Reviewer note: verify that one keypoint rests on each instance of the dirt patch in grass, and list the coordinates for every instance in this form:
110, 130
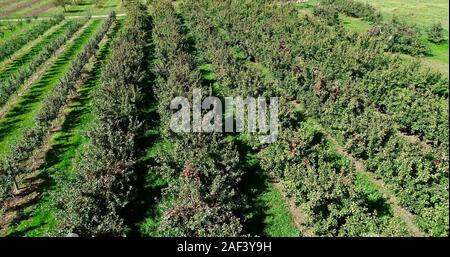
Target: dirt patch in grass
40, 10
18, 7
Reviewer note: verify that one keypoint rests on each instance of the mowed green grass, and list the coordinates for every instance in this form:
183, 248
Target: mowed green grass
421, 12
39, 219
21, 116
267, 213
68, 140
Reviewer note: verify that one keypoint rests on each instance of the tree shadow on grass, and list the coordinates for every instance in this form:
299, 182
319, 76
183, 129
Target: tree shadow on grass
254, 183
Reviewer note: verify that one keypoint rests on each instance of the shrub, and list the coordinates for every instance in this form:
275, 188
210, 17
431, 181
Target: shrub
328, 13
396, 36
436, 33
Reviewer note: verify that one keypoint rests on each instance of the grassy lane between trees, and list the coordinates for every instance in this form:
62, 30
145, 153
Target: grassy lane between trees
15, 76
17, 164
8, 29
368, 135
32, 32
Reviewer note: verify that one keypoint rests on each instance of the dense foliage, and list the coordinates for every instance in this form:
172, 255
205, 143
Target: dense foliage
327, 12
90, 201
354, 9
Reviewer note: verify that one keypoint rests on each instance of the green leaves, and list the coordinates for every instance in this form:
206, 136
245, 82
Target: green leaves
92, 201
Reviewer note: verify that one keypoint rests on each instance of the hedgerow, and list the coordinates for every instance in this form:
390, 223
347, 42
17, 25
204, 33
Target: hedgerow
398, 37
327, 12
355, 9
90, 202
436, 33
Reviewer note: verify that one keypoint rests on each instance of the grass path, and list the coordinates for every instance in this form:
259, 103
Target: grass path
58, 154
296, 211
423, 13
22, 115
270, 213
